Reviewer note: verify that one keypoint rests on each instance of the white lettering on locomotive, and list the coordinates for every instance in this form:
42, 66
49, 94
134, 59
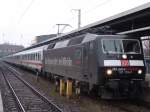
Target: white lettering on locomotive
65, 61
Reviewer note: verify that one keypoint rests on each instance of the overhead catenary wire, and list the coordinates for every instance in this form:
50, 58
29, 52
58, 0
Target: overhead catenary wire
97, 6
26, 10
89, 10
83, 12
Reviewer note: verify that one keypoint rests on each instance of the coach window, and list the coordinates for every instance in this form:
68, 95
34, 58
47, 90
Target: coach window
39, 56
28, 57
31, 56
34, 56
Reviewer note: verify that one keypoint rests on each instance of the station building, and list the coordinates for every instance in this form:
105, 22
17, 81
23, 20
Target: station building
42, 38
6, 49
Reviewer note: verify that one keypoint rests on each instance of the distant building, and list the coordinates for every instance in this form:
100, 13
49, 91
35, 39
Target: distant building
6, 49
42, 38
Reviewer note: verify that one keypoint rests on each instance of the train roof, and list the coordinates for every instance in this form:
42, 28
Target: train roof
64, 43
86, 38
37, 49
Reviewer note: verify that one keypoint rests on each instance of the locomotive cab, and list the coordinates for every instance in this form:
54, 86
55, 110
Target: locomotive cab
121, 65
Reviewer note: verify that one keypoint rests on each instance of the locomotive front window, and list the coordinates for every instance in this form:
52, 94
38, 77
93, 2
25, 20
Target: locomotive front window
112, 46
131, 46
121, 46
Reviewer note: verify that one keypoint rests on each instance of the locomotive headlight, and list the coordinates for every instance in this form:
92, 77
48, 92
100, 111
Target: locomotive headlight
124, 56
109, 72
139, 71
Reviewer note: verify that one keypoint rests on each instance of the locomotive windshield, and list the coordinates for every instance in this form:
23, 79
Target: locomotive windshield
121, 46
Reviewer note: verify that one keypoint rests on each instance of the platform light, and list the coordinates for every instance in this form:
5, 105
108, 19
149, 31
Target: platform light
109, 72
139, 71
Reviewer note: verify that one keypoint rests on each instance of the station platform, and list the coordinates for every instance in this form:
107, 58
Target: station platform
147, 78
146, 96
1, 103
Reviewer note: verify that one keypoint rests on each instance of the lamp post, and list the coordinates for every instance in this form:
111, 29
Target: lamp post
79, 17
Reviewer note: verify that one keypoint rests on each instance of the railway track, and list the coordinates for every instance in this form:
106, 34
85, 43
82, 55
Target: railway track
9, 103
124, 105
27, 98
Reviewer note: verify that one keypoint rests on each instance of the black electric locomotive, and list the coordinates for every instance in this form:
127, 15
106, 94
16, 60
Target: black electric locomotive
106, 65
110, 65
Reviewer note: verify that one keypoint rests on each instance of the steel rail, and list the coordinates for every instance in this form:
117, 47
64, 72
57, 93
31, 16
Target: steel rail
54, 106
15, 95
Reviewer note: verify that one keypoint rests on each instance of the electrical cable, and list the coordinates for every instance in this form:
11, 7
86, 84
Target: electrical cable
26, 10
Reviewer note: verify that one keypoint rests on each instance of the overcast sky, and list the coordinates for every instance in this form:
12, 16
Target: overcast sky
22, 20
